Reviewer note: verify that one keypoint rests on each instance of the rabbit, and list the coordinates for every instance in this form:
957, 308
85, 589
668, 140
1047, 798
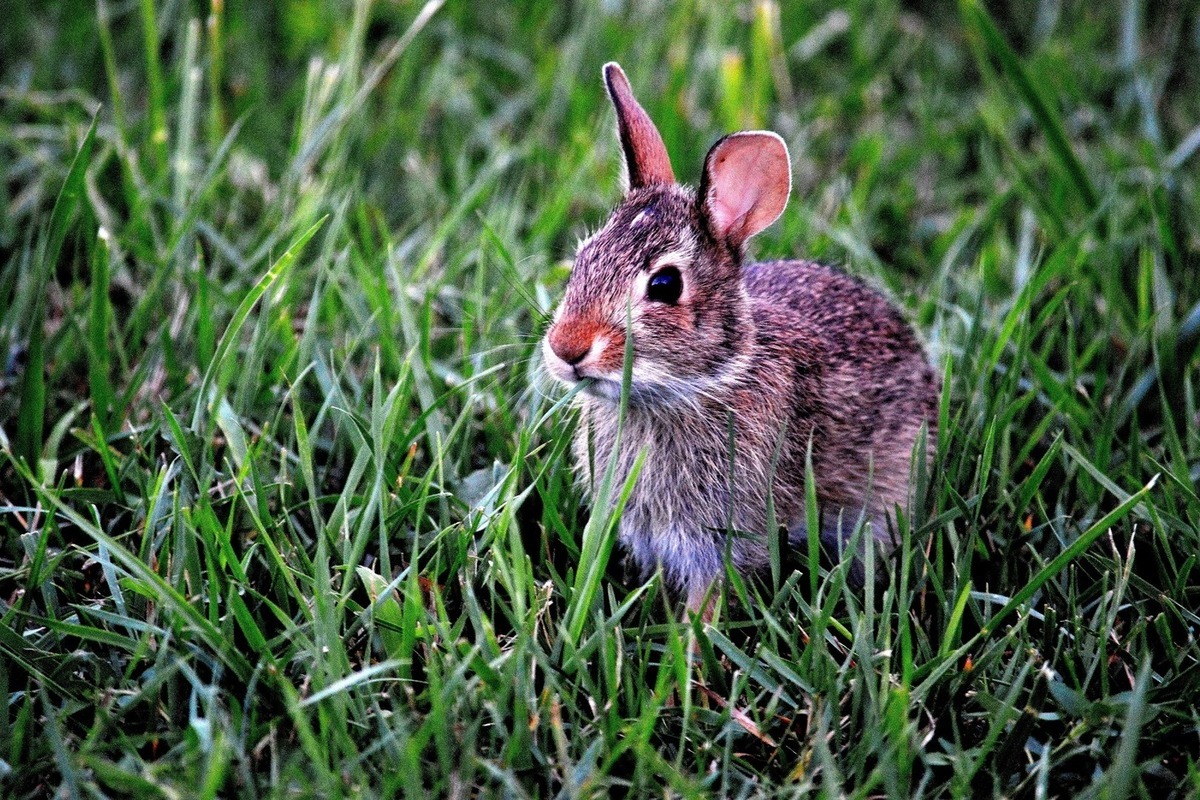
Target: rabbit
736, 367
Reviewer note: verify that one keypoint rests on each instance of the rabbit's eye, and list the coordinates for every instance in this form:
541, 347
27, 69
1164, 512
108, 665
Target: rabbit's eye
665, 286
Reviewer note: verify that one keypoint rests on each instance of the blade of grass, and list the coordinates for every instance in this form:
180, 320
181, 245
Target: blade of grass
980, 23
1069, 554
31, 417
210, 386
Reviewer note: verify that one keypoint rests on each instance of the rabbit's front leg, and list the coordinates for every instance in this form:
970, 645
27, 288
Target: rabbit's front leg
702, 599
689, 554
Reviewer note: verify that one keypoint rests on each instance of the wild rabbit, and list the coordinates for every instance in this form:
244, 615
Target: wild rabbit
737, 367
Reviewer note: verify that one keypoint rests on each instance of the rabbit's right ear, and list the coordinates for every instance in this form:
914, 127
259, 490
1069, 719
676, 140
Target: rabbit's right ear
646, 157
745, 187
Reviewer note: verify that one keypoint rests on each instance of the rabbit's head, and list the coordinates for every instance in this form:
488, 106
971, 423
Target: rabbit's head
666, 267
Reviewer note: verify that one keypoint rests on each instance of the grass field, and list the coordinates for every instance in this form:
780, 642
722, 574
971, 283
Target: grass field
283, 511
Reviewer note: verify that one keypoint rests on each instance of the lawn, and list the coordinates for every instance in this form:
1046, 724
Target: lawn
286, 505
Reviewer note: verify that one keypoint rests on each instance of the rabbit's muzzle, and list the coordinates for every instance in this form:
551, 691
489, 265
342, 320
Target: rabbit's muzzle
582, 348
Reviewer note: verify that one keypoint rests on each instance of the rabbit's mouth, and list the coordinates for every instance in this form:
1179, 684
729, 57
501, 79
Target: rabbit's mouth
580, 362
642, 392
588, 379
603, 388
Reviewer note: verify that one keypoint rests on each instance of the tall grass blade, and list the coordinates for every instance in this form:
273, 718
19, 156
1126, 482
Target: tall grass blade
31, 418
994, 45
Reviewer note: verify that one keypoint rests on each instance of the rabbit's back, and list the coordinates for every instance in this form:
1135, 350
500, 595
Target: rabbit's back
862, 384
856, 322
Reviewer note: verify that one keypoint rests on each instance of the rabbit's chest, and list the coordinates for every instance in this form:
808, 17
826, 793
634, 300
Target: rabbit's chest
691, 478
698, 480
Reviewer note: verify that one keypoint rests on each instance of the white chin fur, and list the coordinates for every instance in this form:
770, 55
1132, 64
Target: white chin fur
558, 369
604, 389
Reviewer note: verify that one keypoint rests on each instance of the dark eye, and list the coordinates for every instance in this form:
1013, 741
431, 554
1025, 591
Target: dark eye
665, 286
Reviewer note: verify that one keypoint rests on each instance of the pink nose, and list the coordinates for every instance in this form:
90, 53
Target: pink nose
571, 342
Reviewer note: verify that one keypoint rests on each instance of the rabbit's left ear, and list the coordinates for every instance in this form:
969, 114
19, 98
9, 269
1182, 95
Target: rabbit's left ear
745, 187
646, 158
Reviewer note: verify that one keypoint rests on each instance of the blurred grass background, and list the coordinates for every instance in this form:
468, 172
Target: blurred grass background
281, 513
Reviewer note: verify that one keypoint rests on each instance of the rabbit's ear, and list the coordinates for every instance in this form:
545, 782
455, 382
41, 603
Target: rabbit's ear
746, 182
646, 157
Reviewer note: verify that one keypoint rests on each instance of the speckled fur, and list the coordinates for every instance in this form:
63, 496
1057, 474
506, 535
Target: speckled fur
784, 352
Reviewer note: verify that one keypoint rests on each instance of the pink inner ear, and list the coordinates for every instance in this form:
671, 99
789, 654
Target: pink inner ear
747, 179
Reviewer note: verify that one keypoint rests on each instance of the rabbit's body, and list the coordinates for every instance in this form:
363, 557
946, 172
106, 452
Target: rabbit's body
736, 368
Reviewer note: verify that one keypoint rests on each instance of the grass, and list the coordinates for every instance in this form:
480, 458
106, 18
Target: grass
282, 513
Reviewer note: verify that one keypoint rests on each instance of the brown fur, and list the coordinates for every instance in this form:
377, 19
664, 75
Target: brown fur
776, 355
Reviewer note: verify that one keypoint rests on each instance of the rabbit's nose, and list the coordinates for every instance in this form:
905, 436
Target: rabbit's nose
571, 346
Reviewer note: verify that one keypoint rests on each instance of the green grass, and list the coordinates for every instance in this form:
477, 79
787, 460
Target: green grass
283, 514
